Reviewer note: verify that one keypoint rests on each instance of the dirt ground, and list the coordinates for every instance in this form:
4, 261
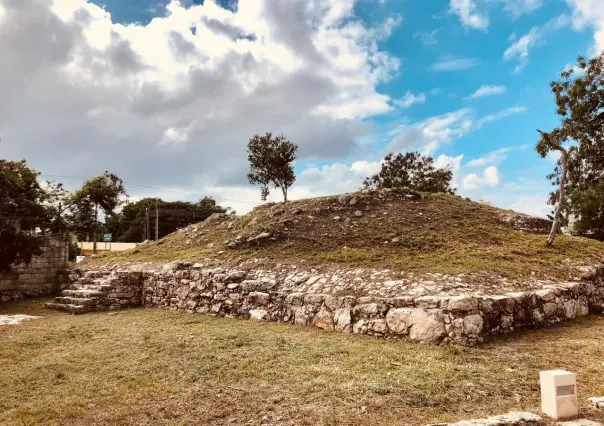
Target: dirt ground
160, 367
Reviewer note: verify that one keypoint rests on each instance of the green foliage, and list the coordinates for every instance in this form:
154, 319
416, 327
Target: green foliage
129, 225
22, 213
102, 193
411, 170
580, 104
271, 163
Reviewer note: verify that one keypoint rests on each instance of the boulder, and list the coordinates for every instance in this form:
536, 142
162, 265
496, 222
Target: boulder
323, 319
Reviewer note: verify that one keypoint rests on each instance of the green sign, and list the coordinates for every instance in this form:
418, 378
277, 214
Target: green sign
107, 238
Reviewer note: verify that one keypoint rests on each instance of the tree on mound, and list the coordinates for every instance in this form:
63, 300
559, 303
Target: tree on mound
271, 163
411, 170
579, 173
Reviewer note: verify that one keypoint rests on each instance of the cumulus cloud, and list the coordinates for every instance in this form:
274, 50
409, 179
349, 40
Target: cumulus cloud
521, 47
468, 14
484, 90
589, 13
490, 177
173, 102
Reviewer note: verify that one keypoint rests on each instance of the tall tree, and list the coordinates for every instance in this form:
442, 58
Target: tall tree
102, 193
411, 170
579, 173
22, 213
271, 163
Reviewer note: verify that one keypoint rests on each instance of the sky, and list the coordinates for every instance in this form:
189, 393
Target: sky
166, 94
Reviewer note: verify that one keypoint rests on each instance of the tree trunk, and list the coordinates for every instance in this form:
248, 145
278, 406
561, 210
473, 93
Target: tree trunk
96, 214
559, 207
284, 189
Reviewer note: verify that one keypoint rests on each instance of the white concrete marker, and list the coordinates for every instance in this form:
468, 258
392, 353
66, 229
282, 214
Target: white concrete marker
15, 319
559, 394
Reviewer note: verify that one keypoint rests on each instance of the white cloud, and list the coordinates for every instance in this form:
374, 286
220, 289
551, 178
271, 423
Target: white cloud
490, 177
487, 91
491, 158
444, 161
520, 48
472, 181
468, 14
428, 135
428, 38
499, 115
591, 13
409, 100
518, 8
168, 107
454, 64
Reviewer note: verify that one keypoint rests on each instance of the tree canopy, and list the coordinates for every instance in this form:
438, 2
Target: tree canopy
271, 163
579, 96
411, 170
22, 213
102, 193
129, 224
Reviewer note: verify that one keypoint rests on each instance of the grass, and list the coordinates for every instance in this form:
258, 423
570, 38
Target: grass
439, 233
160, 367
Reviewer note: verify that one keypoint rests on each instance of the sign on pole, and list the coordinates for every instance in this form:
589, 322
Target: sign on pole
107, 238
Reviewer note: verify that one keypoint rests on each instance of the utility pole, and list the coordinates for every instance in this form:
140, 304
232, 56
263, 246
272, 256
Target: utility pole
147, 231
156, 221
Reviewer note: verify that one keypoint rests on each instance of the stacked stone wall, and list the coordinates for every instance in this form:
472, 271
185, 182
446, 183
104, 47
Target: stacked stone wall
464, 320
40, 277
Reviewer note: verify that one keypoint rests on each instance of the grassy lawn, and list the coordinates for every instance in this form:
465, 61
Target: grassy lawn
159, 367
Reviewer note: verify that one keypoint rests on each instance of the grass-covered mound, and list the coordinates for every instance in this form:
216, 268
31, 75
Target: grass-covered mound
380, 229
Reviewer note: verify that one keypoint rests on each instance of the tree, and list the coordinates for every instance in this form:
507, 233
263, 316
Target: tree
22, 213
411, 170
271, 163
99, 193
579, 173
129, 225
548, 143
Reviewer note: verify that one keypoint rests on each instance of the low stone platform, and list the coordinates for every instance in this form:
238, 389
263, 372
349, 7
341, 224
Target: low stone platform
439, 318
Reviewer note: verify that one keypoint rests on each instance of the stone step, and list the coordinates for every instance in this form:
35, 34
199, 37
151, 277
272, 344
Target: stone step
77, 301
82, 293
72, 309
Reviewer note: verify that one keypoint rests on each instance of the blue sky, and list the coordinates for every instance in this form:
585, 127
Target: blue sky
465, 81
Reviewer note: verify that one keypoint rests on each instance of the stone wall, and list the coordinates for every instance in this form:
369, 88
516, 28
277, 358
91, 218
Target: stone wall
464, 320
42, 276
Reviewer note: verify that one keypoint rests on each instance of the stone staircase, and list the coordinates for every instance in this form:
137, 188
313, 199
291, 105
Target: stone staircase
92, 291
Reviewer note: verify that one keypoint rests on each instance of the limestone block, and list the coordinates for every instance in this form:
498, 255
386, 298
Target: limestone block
257, 298
259, 315
398, 320
473, 324
427, 326
343, 320
323, 319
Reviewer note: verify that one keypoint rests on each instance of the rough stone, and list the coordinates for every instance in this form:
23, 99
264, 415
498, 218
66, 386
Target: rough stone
259, 315
323, 319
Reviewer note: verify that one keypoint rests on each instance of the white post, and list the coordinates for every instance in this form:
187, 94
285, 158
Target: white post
559, 394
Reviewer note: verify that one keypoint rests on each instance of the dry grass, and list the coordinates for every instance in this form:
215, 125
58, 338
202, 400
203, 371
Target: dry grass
439, 233
159, 367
